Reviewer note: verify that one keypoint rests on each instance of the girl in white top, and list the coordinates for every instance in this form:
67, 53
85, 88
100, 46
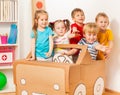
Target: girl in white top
62, 34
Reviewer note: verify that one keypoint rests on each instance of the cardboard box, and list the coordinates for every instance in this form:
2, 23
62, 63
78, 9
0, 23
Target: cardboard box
85, 77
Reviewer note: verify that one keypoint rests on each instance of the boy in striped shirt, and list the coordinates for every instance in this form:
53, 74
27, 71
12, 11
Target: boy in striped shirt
90, 32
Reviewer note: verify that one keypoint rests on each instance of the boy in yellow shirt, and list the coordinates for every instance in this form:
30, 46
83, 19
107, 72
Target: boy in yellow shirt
105, 35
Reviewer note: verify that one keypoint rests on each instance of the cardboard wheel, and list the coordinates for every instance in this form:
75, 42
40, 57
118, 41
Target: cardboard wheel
62, 58
99, 86
80, 90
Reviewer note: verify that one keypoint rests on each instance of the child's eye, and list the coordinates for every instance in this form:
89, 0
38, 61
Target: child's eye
41, 19
89, 34
46, 19
105, 22
78, 15
101, 21
62, 27
82, 14
94, 34
58, 28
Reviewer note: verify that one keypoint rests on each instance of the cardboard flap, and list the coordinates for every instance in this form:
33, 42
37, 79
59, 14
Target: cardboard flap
83, 57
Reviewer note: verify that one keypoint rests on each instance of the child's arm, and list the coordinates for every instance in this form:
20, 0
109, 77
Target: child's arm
110, 45
101, 47
50, 46
55, 35
71, 35
70, 52
108, 51
32, 49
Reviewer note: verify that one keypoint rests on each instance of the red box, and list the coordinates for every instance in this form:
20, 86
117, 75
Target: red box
6, 55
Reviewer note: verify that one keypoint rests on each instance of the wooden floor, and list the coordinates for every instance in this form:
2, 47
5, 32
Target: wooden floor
106, 93
7, 94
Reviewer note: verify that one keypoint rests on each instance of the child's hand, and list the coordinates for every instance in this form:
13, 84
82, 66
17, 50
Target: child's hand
48, 54
70, 52
107, 53
76, 35
104, 48
30, 59
101, 47
75, 32
55, 36
72, 35
63, 53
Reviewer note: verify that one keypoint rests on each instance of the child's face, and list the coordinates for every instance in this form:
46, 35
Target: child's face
79, 17
60, 28
102, 23
90, 37
43, 21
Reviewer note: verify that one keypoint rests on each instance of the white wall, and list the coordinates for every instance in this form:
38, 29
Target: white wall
61, 9
25, 26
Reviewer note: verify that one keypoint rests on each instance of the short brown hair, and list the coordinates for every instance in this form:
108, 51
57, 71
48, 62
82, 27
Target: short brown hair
76, 10
101, 14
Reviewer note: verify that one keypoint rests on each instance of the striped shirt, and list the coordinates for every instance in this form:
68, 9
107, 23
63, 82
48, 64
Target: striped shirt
91, 47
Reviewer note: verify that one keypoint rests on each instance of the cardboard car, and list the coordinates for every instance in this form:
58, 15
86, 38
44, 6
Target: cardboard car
85, 77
